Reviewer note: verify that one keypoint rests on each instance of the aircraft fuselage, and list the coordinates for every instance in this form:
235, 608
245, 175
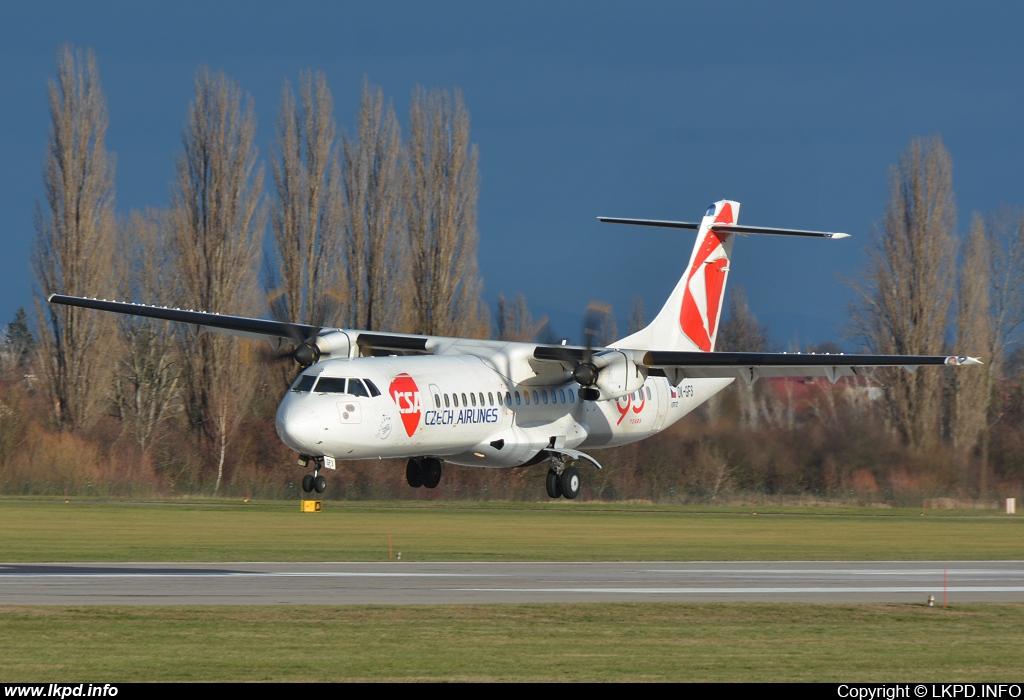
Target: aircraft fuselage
462, 410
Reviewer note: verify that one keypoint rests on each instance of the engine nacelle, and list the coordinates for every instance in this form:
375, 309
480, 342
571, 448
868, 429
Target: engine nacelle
334, 344
618, 375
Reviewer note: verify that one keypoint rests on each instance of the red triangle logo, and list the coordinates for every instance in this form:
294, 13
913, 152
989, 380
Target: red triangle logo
406, 395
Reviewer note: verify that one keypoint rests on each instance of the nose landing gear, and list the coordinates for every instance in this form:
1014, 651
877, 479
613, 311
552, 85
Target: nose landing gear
314, 482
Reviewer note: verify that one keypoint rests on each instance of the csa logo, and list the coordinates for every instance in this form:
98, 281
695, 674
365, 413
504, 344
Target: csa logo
407, 397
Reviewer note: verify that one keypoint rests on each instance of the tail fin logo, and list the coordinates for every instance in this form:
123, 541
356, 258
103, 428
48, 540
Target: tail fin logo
705, 283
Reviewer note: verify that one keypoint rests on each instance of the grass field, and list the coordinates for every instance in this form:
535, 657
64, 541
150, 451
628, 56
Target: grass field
50, 530
594, 642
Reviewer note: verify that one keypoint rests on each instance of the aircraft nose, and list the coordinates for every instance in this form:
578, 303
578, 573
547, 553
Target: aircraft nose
298, 426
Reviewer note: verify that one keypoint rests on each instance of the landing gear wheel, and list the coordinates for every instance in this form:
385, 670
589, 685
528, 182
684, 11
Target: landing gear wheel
307, 483
554, 484
570, 482
319, 484
414, 473
431, 472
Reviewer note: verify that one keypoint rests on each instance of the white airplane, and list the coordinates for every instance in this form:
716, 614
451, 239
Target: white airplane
492, 403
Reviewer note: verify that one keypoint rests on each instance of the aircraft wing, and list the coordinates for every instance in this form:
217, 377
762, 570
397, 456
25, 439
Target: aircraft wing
277, 332
196, 320
751, 366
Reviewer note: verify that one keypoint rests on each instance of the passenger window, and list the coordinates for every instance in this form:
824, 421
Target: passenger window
526, 398
517, 398
472, 398
561, 393
437, 401
508, 399
455, 400
374, 391
464, 402
356, 388
481, 398
331, 385
572, 396
305, 383
446, 404
535, 397
648, 390
544, 395
490, 398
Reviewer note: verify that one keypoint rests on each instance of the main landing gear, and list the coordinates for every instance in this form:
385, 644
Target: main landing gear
314, 482
562, 481
423, 471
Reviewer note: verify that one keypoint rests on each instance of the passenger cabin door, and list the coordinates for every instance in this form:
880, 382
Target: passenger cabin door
661, 396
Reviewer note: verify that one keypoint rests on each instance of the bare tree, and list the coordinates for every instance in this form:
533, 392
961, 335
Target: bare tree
906, 294
971, 390
147, 379
1004, 231
374, 249
637, 318
217, 225
75, 241
741, 332
607, 329
305, 216
17, 343
442, 218
514, 321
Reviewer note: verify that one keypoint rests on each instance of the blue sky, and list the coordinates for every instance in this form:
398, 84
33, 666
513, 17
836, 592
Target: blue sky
579, 110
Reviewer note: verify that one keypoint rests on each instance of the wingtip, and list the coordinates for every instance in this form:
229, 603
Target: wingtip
49, 299
840, 235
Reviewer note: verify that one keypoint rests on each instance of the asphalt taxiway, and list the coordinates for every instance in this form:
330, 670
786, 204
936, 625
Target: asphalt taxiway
404, 582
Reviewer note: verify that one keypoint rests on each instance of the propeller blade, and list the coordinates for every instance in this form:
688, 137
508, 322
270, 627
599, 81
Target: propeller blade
586, 373
593, 319
543, 333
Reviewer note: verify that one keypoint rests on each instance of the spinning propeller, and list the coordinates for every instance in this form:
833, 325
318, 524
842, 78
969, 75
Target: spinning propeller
304, 351
586, 373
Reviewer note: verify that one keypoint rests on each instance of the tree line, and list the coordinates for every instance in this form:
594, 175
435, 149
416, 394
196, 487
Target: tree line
377, 229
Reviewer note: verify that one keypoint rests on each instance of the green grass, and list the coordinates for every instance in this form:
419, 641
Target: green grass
50, 530
639, 642
593, 642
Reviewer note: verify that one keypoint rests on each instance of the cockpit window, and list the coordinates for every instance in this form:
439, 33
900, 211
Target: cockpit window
356, 388
331, 385
304, 383
374, 391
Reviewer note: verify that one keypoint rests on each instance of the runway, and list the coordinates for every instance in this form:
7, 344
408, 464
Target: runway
404, 583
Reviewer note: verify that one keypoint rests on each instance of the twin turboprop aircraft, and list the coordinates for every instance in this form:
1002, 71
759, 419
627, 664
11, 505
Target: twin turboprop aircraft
491, 403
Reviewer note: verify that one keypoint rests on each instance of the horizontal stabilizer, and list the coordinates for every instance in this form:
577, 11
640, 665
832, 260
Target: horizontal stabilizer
765, 231
649, 222
725, 228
